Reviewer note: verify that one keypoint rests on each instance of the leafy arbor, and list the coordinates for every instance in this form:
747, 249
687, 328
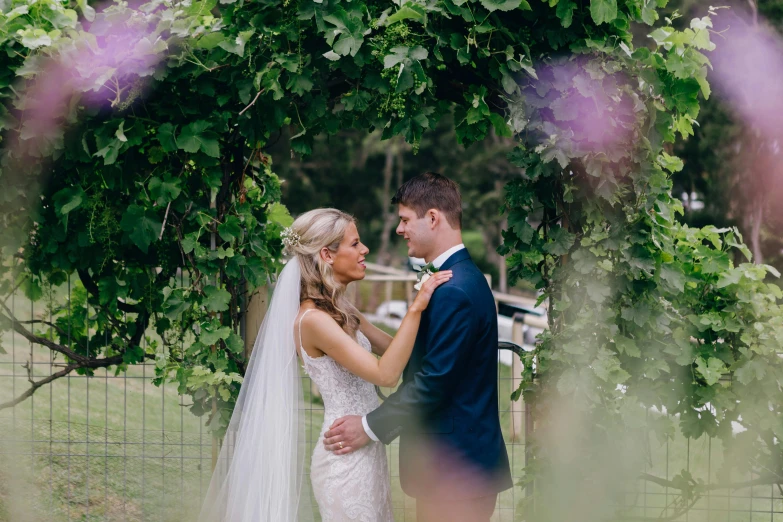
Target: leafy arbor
154, 157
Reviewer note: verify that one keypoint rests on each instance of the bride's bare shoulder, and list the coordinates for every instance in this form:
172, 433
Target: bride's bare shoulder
312, 317
318, 330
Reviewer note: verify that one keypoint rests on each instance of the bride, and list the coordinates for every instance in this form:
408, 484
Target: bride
259, 473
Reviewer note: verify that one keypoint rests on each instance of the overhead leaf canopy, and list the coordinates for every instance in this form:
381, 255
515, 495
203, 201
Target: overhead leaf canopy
133, 159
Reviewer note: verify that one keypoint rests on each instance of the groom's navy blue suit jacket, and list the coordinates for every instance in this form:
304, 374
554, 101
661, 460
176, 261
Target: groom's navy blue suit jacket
446, 409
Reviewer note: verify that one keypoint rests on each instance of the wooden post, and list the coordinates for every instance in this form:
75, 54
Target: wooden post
256, 310
356, 295
488, 277
388, 296
409, 292
516, 378
529, 425
213, 348
540, 323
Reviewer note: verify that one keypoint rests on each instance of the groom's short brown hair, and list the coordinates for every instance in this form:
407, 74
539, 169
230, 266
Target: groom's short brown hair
431, 190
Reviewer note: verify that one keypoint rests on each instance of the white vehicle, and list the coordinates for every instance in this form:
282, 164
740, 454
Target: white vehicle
390, 314
506, 312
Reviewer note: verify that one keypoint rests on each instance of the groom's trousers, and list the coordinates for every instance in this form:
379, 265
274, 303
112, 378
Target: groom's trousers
455, 510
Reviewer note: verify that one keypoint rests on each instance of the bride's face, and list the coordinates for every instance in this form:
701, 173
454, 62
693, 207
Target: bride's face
348, 262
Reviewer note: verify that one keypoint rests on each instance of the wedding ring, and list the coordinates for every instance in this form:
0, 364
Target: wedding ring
341, 444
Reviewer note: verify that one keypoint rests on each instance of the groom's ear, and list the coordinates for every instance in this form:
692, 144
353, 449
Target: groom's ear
433, 217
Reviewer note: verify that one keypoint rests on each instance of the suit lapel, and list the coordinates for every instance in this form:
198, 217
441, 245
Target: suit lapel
414, 364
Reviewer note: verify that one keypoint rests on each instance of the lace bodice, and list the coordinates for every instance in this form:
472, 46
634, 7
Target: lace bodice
343, 393
353, 487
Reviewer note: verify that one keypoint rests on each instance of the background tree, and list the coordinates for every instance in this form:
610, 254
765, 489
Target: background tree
729, 165
361, 175
644, 311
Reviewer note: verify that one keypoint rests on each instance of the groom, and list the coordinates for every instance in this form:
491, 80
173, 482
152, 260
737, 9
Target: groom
452, 456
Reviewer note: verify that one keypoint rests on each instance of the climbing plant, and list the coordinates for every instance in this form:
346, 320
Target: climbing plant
132, 173
141, 171
645, 313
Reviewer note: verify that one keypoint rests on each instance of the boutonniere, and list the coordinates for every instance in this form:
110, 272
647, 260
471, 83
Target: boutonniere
424, 274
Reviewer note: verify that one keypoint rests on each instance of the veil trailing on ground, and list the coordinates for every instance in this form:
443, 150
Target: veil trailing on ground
260, 473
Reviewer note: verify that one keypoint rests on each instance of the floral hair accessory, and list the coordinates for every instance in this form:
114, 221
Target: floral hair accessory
290, 238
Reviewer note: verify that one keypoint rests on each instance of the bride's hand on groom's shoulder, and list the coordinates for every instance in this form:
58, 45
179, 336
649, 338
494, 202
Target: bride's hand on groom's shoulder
428, 288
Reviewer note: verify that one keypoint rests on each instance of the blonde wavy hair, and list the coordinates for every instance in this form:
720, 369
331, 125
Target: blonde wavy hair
316, 229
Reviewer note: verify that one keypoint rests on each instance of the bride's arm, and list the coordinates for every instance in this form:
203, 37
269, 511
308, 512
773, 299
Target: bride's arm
322, 332
379, 339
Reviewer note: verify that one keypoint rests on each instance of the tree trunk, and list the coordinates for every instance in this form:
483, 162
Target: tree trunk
754, 10
492, 236
502, 268
758, 206
755, 231
399, 167
392, 153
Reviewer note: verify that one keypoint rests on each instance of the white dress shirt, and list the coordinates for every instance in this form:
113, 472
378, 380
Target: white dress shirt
437, 263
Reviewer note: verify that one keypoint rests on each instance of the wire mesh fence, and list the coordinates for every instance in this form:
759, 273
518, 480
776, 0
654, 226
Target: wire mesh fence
114, 447
105, 447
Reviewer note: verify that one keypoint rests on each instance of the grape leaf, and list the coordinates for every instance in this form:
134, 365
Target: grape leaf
560, 241
195, 137
141, 225
230, 229
409, 11
215, 299
164, 191
711, 370
165, 135
505, 5
517, 220
235, 343
603, 11
68, 199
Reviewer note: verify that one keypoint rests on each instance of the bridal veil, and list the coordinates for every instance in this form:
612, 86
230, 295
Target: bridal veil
260, 472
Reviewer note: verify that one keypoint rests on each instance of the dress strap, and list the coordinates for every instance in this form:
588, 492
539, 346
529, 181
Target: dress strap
300, 327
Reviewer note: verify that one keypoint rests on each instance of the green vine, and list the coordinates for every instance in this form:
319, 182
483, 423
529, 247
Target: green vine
644, 312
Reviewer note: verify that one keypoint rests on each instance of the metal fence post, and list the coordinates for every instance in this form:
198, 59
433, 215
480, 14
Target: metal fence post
517, 336
530, 488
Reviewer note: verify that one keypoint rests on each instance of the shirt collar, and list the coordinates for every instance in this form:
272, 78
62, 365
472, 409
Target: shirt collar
438, 262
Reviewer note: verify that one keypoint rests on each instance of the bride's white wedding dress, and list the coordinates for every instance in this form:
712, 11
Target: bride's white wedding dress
353, 487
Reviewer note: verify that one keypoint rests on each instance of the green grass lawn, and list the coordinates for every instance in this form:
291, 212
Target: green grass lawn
119, 448
95, 448
103, 448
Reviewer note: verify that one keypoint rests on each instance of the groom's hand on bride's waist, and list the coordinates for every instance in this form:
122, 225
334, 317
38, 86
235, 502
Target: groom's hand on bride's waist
346, 435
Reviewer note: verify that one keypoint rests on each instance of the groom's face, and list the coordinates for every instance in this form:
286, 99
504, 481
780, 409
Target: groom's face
416, 231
